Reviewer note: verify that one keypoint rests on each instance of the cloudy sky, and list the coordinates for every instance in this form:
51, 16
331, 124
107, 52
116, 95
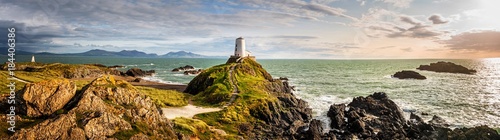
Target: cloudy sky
330, 29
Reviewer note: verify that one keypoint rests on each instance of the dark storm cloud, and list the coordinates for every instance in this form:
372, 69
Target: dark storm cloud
29, 38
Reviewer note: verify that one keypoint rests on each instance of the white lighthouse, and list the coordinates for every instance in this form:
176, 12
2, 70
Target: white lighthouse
239, 48
240, 52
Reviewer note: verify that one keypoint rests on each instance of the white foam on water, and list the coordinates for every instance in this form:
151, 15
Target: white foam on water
156, 79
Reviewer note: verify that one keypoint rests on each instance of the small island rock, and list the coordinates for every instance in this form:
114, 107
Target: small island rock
136, 72
185, 68
406, 74
448, 67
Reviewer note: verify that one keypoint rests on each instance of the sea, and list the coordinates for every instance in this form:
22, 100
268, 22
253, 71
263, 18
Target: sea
462, 100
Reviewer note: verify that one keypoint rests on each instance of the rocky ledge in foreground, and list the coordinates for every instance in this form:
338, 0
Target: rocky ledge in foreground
448, 67
406, 74
378, 117
104, 109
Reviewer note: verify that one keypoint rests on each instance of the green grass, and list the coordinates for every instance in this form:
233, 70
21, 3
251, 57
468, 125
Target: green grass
164, 98
192, 127
498, 130
4, 82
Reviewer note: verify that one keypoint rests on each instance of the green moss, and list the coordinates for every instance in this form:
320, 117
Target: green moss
192, 127
165, 98
138, 127
125, 134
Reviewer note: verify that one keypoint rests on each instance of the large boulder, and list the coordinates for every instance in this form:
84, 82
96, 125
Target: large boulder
46, 97
405, 74
105, 108
136, 72
448, 67
378, 117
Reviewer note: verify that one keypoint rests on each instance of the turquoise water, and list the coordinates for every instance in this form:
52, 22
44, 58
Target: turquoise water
463, 100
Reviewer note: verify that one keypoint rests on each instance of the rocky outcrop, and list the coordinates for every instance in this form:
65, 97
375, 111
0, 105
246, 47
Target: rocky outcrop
105, 108
264, 108
283, 118
377, 117
193, 72
61, 127
185, 68
46, 97
405, 74
448, 67
136, 72
116, 66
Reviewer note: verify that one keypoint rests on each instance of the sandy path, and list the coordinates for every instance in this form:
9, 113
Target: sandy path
186, 111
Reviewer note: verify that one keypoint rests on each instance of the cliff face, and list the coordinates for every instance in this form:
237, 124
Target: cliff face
263, 107
105, 108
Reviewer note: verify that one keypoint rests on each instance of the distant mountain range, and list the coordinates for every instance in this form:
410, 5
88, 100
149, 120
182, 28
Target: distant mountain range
123, 53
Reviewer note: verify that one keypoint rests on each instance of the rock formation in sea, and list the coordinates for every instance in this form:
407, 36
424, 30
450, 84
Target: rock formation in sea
378, 117
193, 72
406, 74
185, 68
448, 67
136, 72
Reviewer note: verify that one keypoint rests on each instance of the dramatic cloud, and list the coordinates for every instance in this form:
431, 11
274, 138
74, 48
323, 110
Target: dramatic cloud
398, 3
437, 19
409, 20
488, 41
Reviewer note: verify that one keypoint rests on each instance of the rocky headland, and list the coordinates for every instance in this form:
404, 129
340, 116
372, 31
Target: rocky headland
447, 67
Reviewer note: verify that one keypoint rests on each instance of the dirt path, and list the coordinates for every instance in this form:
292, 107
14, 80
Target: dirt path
186, 111
234, 84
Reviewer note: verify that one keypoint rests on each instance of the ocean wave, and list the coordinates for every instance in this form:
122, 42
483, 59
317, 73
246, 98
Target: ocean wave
156, 79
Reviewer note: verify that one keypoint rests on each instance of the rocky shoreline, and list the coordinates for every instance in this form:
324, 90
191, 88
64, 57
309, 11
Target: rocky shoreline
265, 108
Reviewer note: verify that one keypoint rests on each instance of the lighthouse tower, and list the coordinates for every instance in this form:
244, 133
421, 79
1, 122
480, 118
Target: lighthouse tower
239, 48
240, 52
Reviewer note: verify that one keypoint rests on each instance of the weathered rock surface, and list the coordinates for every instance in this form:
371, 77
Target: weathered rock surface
405, 74
62, 127
193, 72
377, 117
46, 97
105, 108
185, 68
136, 72
448, 67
